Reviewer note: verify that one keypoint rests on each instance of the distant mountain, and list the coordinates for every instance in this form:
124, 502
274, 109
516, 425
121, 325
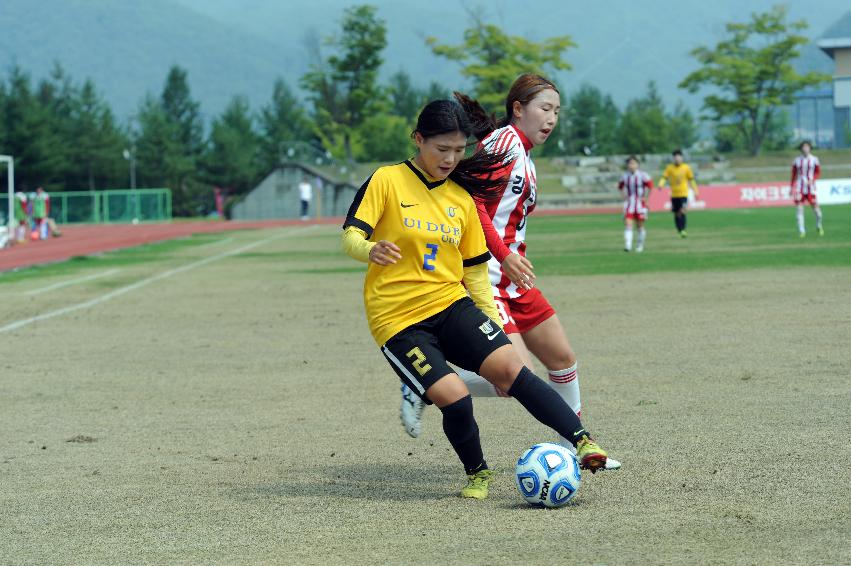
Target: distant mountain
622, 44
127, 47
240, 46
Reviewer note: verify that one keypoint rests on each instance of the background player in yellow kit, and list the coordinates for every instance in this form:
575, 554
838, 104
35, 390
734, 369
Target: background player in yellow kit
416, 224
680, 176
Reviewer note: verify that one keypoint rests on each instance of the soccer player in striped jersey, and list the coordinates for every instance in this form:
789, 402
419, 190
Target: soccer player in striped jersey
532, 108
805, 171
635, 185
417, 226
680, 176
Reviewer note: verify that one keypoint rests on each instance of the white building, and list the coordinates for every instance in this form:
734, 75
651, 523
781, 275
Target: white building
836, 42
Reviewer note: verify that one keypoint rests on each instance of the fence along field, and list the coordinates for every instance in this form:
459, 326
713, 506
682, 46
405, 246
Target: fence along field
238, 411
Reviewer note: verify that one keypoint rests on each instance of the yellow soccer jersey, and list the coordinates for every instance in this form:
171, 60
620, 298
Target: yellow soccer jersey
678, 177
437, 228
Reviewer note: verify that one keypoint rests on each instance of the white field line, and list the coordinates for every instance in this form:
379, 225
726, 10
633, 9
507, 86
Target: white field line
62, 284
139, 284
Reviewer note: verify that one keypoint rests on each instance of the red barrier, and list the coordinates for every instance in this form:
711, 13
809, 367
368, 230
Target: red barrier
751, 195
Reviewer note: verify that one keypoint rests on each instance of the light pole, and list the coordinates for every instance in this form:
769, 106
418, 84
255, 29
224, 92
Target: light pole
130, 155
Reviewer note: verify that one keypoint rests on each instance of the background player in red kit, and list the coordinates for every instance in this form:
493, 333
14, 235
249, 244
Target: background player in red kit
805, 171
635, 185
531, 113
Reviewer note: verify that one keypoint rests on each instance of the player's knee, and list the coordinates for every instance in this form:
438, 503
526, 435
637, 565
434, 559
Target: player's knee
565, 360
504, 374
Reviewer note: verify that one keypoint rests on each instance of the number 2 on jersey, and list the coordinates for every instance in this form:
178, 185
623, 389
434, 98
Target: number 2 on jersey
418, 361
430, 257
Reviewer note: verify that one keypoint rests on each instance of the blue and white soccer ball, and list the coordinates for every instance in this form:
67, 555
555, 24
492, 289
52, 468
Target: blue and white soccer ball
547, 475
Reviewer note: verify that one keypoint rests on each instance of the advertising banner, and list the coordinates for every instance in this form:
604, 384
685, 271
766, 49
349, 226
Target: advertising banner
753, 195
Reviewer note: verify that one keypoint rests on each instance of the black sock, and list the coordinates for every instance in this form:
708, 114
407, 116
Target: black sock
463, 433
678, 222
684, 222
546, 405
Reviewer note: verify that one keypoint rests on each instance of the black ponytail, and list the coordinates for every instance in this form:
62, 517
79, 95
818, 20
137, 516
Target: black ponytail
481, 122
482, 174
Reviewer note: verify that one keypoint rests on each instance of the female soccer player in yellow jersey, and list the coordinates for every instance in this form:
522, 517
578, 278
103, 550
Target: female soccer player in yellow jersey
532, 107
680, 176
417, 226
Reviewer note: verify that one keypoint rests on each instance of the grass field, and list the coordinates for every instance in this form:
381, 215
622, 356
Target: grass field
219, 399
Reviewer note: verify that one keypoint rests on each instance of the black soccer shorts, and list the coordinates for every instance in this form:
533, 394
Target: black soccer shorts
461, 334
678, 203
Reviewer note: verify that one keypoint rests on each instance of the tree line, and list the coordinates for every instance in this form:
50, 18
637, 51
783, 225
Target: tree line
64, 135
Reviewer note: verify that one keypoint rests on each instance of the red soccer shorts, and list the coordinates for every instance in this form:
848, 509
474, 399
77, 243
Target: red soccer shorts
809, 198
525, 312
636, 215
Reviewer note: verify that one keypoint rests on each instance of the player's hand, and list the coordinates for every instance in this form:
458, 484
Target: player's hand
385, 253
519, 270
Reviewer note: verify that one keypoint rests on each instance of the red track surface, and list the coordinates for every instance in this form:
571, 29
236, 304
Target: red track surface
93, 239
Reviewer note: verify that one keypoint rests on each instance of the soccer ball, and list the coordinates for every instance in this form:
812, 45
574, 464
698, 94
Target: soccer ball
547, 475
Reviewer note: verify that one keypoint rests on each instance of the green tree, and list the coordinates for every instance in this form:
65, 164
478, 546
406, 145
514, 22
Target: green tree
99, 143
29, 136
343, 88
183, 111
588, 119
405, 99
170, 143
644, 128
492, 59
436, 91
232, 160
682, 127
728, 138
750, 74
385, 137
58, 95
282, 121
157, 148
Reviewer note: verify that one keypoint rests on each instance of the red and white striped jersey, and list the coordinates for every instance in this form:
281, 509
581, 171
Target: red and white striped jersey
805, 171
636, 188
504, 219
636, 185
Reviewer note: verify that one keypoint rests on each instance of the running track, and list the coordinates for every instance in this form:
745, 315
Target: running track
89, 239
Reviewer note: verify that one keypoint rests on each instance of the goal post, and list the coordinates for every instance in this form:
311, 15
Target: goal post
10, 188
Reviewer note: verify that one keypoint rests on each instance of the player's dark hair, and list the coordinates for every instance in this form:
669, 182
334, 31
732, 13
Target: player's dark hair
677, 152
632, 158
523, 90
482, 173
803, 143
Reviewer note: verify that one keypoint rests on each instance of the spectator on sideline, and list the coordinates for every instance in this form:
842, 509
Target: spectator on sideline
41, 210
305, 191
21, 217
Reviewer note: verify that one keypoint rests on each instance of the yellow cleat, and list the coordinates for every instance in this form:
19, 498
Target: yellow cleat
477, 485
802, 235
590, 455
820, 231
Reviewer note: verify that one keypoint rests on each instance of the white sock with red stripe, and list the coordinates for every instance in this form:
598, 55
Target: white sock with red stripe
817, 210
642, 235
566, 384
627, 239
478, 385
800, 215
